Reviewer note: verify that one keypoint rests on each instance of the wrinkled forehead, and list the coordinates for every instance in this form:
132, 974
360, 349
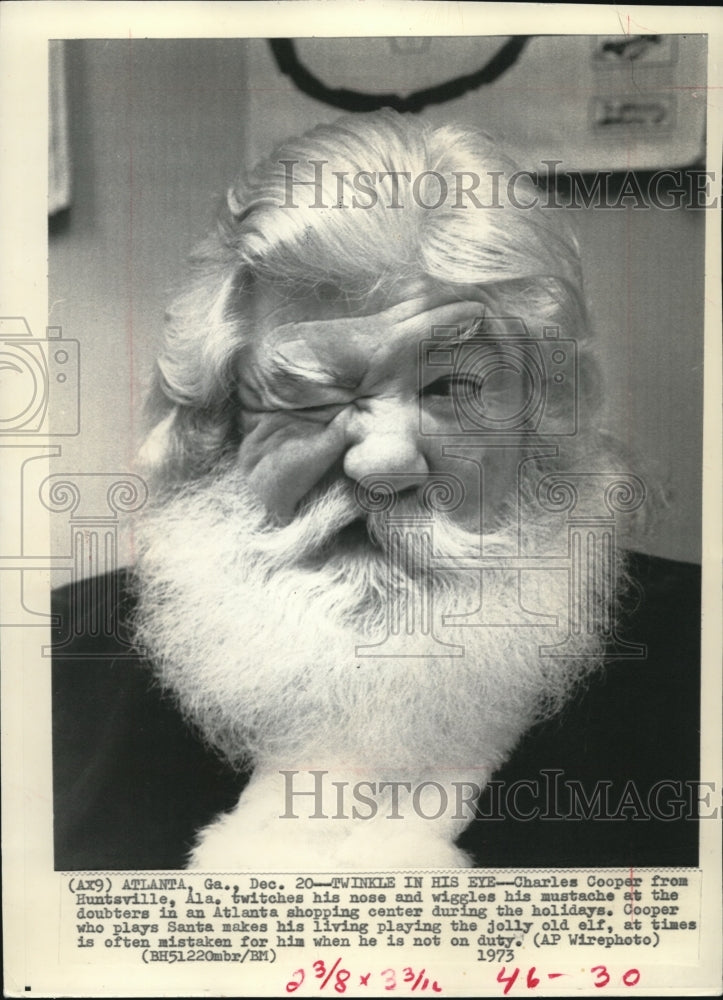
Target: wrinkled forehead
300, 329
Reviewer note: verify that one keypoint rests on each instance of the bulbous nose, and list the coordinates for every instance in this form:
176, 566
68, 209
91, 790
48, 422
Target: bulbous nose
384, 437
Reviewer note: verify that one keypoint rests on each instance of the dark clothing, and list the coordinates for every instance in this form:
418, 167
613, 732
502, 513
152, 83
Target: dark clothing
133, 783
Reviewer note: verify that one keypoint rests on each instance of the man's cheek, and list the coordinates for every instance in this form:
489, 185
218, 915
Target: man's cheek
284, 456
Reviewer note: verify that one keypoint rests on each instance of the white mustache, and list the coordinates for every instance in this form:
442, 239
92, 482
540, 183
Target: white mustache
319, 521
327, 511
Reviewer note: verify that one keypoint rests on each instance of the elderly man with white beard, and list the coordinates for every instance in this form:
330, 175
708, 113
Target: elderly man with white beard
354, 582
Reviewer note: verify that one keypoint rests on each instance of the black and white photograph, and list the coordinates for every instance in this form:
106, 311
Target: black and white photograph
361, 453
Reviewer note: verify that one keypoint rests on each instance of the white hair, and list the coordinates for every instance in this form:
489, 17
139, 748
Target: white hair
525, 259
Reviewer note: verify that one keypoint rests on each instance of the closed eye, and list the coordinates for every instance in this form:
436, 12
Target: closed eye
322, 411
319, 406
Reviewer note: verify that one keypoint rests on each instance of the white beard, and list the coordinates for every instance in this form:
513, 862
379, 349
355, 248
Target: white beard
254, 628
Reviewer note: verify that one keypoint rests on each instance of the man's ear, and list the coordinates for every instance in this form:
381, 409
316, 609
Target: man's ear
160, 446
234, 205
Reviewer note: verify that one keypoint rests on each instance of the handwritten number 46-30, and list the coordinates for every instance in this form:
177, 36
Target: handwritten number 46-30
601, 974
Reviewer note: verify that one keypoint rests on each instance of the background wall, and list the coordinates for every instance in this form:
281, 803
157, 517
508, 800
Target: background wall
158, 129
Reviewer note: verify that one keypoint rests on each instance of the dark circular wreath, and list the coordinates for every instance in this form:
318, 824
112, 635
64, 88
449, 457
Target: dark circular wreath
287, 59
